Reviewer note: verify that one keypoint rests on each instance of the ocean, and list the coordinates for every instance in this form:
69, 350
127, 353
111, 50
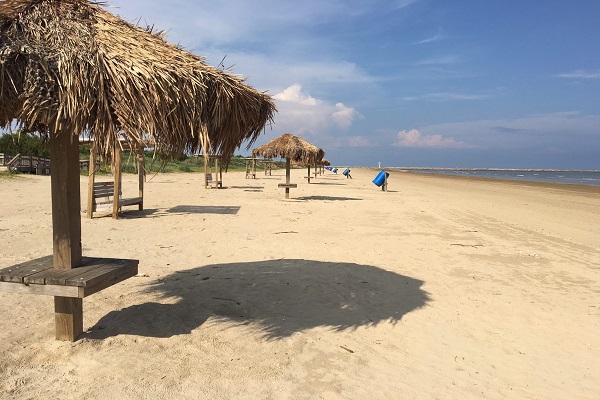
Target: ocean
551, 176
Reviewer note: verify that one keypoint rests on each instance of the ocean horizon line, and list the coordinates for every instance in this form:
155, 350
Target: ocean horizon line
492, 169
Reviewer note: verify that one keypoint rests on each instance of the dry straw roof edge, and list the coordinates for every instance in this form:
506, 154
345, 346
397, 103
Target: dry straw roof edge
69, 66
290, 146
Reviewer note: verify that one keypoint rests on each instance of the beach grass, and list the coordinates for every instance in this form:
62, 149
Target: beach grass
184, 164
8, 175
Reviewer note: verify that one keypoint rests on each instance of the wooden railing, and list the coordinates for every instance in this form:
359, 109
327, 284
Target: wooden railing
14, 163
39, 165
24, 163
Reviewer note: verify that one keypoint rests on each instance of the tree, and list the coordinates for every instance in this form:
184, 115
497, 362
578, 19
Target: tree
24, 143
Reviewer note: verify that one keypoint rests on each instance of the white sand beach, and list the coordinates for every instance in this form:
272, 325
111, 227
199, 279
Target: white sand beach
439, 288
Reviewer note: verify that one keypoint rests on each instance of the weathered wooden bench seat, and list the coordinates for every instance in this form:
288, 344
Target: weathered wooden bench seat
214, 184
106, 190
103, 190
39, 277
287, 185
130, 201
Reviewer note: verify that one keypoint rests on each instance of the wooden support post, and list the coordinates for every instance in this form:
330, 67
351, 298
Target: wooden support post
141, 175
204, 142
308, 177
204, 156
66, 207
218, 173
287, 177
117, 155
66, 227
68, 318
91, 179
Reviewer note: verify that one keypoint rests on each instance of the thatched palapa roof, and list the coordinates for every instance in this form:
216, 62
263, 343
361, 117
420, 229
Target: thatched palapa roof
69, 67
290, 147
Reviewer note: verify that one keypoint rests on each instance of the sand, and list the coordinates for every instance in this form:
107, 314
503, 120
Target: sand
440, 288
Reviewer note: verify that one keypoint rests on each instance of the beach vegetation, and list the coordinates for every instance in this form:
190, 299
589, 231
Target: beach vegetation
183, 163
8, 175
24, 143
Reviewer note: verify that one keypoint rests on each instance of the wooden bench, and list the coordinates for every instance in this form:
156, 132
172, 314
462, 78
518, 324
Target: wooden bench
93, 275
102, 190
287, 185
68, 286
211, 183
106, 190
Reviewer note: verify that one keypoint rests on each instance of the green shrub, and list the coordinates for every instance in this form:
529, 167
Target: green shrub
129, 169
25, 143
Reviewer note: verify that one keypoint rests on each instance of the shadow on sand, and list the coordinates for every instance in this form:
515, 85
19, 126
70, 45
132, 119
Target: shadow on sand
328, 183
248, 187
331, 198
203, 210
177, 210
277, 297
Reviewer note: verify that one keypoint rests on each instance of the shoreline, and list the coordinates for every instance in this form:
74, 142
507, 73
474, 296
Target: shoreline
495, 169
587, 188
550, 185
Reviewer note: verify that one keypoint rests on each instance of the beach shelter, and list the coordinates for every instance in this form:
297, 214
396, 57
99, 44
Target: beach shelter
210, 181
324, 163
69, 67
250, 167
99, 193
293, 149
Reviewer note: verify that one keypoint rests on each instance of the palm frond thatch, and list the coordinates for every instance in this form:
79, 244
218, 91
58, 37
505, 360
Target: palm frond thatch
325, 162
290, 147
69, 66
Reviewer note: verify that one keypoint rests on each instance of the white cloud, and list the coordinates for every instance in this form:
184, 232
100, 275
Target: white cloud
445, 96
344, 116
294, 94
581, 74
404, 3
275, 74
359, 141
434, 38
414, 138
442, 60
229, 21
225, 21
301, 113
531, 131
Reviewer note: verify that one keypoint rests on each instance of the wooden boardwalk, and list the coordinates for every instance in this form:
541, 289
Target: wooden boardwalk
31, 164
26, 164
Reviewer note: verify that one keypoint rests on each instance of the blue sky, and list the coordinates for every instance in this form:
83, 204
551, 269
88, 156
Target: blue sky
421, 83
